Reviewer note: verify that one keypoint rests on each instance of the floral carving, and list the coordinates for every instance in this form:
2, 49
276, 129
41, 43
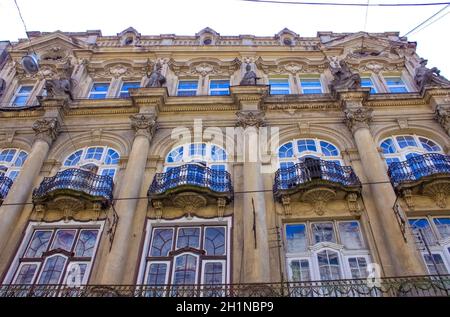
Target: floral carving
250, 119
46, 129
143, 124
358, 118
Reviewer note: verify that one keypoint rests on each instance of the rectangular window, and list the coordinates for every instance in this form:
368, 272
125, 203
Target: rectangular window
323, 232
358, 267
125, 86
422, 231
367, 82
310, 86
187, 88
296, 238
443, 227
350, 235
219, 87
395, 84
99, 91
436, 264
279, 86
21, 96
300, 270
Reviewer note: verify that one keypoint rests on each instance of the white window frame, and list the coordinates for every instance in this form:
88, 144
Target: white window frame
390, 75
291, 273
33, 280
308, 77
97, 92
218, 89
185, 80
126, 91
166, 277
280, 78
371, 78
18, 94
191, 227
224, 270
66, 263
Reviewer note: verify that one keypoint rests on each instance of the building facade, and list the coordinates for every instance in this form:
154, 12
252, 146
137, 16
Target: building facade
186, 164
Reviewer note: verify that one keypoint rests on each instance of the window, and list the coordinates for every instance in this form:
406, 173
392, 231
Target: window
125, 86
433, 234
310, 86
279, 86
11, 161
401, 147
187, 88
186, 253
207, 154
99, 91
219, 87
98, 159
395, 84
21, 97
367, 82
50, 252
325, 250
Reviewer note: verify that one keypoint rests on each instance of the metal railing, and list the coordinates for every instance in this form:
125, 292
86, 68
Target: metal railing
417, 167
194, 175
312, 169
77, 180
429, 285
5, 186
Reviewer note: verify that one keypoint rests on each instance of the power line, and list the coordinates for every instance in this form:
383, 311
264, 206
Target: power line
432, 22
351, 4
428, 19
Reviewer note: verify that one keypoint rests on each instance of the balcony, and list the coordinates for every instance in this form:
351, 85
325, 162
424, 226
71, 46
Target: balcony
87, 188
190, 187
5, 186
427, 174
317, 182
414, 286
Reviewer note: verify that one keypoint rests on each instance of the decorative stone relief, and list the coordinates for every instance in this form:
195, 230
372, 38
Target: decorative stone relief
46, 129
352, 203
221, 203
358, 118
143, 124
292, 66
250, 119
443, 117
408, 198
318, 198
205, 67
439, 191
286, 201
158, 206
189, 202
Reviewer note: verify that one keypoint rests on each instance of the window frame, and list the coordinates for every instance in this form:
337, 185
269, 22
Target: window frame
11, 165
18, 94
196, 80
279, 78
95, 93
304, 77
126, 92
210, 90
385, 78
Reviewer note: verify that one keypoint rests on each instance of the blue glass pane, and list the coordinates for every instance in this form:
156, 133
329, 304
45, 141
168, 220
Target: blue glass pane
100, 87
124, 90
394, 81
296, 238
7, 155
286, 150
187, 93
405, 141
187, 85
20, 100
218, 154
188, 237
215, 241
219, 92
94, 153
97, 96
312, 91
443, 226
21, 158
429, 145
157, 274
213, 274
306, 145
86, 243
176, 155
73, 159
162, 242
388, 146
223, 84
112, 157
25, 89
197, 149
310, 83
397, 89
328, 149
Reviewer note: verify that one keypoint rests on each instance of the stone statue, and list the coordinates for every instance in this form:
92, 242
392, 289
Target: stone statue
250, 77
343, 78
425, 76
2, 87
156, 79
59, 88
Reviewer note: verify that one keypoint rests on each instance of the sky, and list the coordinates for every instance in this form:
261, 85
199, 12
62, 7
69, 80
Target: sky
230, 17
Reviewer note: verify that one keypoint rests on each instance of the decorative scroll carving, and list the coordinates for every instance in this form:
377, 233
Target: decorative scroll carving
158, 206
439, 191
221, 203
358, 118
286, 201
318, 198
190, 202
291, 65
205, 67
46, 129
250, 119
352, 203
144, 124
408, 198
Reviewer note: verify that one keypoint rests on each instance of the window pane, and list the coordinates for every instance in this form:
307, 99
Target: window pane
112, 157
73, 159
279, 86
187, 88
388, 146
300, 270
157, 274
367, 82
422, 227
20, 100
100, 87
7, 155
323, 232
175, 155
51, 273
162, 242
185, 270
86, 243
306, 145
405, 141
125, 86
328, 265
286, 150
26, 274
25, 89
350, 235
215, 241
94, 153
436, 264
358, 267
218, 154
296, 238
213, 273
443, 226
219, 87
21, 158
64, 240
188, 238
39, 244
328, 149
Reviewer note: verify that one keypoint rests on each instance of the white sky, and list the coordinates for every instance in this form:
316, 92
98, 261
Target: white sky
228, 17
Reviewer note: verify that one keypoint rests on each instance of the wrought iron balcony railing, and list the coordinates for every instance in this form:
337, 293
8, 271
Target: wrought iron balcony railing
192, 175
77, 180
417, 167
314, 169
5, 186
431, 285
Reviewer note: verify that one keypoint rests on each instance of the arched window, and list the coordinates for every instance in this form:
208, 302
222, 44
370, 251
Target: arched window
294, 151
402, 147
11, 161
205, 154
101, 160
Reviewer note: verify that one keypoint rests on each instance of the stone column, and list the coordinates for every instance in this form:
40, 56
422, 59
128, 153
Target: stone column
46, 130
256, 265
403, 256
144, 126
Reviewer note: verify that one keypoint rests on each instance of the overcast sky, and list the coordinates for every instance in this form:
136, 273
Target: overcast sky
228, 17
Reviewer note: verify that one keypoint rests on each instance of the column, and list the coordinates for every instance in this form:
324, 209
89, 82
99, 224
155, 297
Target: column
403, 256
46, 130
144, 126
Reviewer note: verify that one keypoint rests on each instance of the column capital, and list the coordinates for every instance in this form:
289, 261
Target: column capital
144, 124
247, 119
149, 100
46, 129
357, 118
352, 97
